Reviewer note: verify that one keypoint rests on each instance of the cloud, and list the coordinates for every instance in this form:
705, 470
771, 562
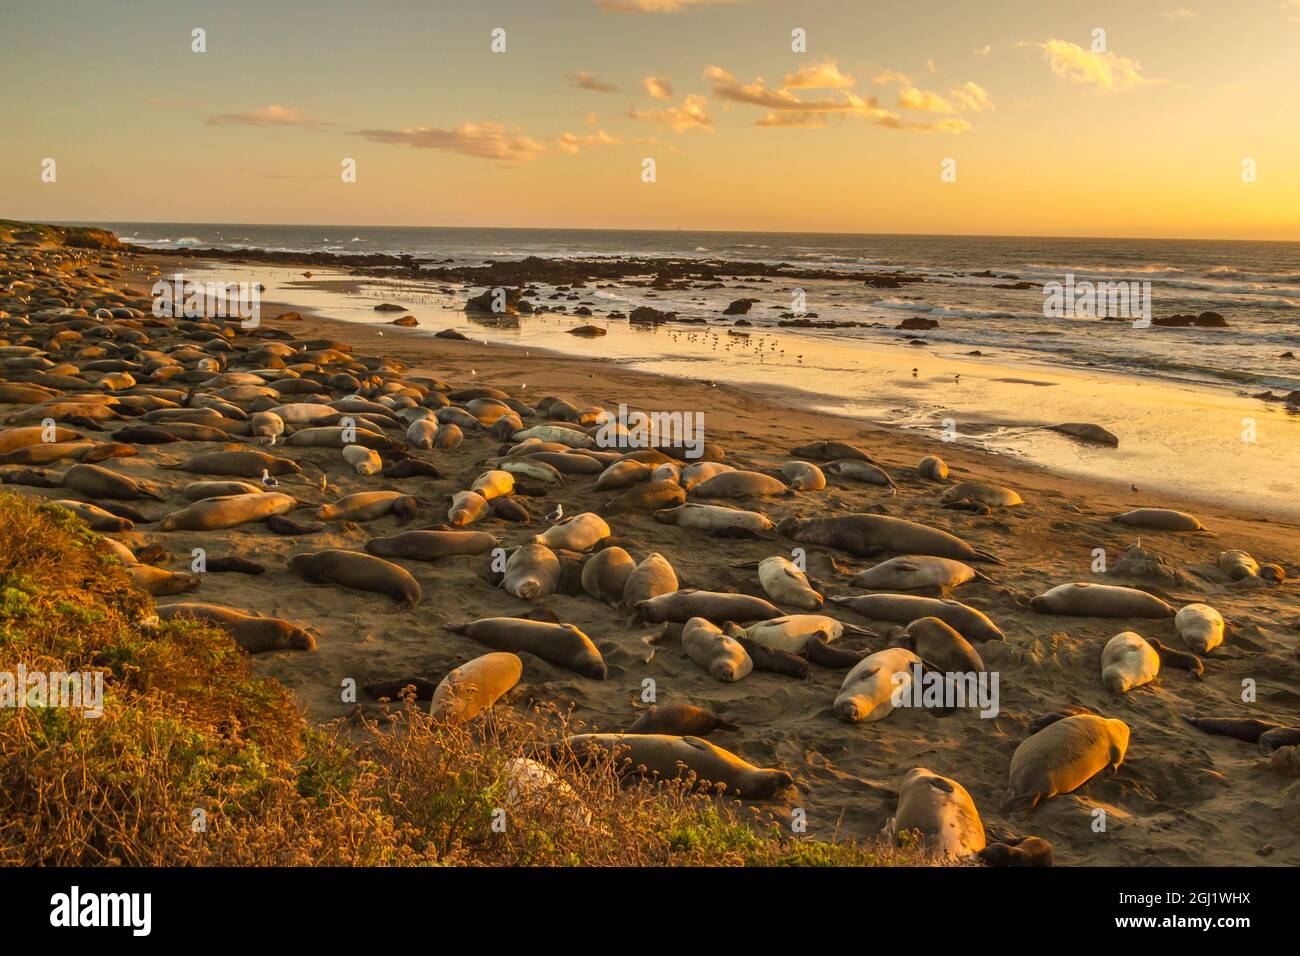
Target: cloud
591, 120
825, 75
925, 101
985, 50
572, 143
1105, 71
692, 114
885, 77
485, 140
657, 6
1180, 13
273, 115
969, 96
1293, 8
658, 88
585, 81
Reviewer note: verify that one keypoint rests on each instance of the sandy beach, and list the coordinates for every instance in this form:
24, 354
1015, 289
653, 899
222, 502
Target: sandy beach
1181, 797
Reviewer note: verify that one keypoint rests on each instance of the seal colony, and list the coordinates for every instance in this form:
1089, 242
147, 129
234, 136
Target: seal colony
424, 513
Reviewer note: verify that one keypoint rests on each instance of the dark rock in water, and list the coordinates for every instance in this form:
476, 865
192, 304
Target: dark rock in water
388, 307
744, 322
739, 307
1015, 285
451, 334
587, 331
917, 322
1206, 320
644, 315
498, 301
1287, 354
406, 321
1088, 432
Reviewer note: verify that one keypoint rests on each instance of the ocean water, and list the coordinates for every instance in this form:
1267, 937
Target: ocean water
1254, 285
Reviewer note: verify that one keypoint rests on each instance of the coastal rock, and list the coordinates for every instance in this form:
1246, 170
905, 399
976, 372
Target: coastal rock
451, 334
388, 307
917, 322
498, 301
406, 322
644, 315
587, 331
739, 307
1206, 320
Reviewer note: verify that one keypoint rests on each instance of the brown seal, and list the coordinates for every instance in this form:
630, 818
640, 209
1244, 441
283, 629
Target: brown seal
360, 571
250, 632
1025, 851
683, 720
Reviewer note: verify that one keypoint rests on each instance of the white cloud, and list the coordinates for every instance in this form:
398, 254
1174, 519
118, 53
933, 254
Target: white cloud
1104, 71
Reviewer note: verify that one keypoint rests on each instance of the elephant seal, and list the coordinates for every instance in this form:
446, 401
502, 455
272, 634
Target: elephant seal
1247, 729
679, 720
359, 571
1238, 565
651, 496
701, 472
251, 632
817, 652
1062, 757
97, 519
475, 686
980, 494
364, 461
532, 571
941, 810
667, 757
210, 514
715, 606
466, 508
338, 436
1100, 600
1180, 659
830, 451
740, 484
649, 579
803, 476
1026, 851
716, 519
421, 433
239, 464
1200, 626
936, 642
160, 582
509, 509
605, 574
1128, 661
411, 468
866, 535
972, 624
1271, 740
431, 545
198, 490
791, 632
561, 644
916, 573
858, 470
367, 506
720, 655
493, 484
786, 584
579, 533
279, 524
11, 439
622, 474
1038, 723
932, 468
867, 693
97, 482
1161, 519
767, 659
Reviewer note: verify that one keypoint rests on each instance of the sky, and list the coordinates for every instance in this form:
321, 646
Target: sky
1126, 118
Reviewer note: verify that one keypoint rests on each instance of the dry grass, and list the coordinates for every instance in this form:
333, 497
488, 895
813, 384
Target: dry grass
188, 736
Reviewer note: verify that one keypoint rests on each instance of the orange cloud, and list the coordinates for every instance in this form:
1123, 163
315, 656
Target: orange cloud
585, 81
1106, 72
273, 115
485, 140
658, 88
692, 114
572, 143
825, 75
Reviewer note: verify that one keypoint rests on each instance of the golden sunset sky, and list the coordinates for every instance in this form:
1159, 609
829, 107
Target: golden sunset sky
1053, 129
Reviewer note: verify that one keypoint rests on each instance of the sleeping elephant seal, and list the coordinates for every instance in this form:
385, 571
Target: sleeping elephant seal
198, 490
239, 464
716, 519
936, 642
867, 693
1062, 757
1248, 729
605, 574
160, 582
932, 468
830, 451
792, 632
1271, 740
230, 511
431, 545
679, 720
359, 571
532, 571
367, 506
1100, 600
254, 634
1026, 851
803, 476
579, 533
651, 496
97, 519
1128, 661
666, 757
475, 686
561, 644
740, 484
715, 606
720, 655
96, 482
1179, 659
1200, 626
649, 579
1238, 565
466, 508
1160, 519
972, 624
941, 810
916, 573
866, 535
980, 494
786, 584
